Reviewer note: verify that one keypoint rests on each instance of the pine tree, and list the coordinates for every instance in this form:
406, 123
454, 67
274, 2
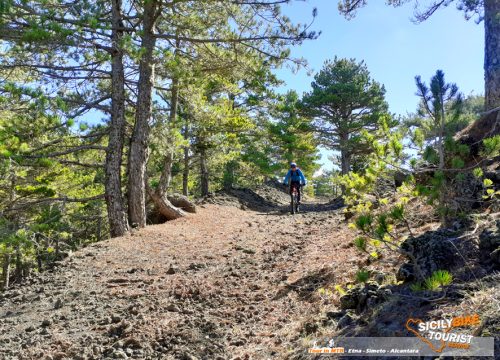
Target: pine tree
344, 101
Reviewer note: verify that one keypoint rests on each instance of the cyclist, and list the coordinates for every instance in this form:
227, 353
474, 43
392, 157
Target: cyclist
294, 177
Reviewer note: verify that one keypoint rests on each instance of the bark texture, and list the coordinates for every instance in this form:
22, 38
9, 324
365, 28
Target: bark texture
492, 53
166, 174
139, 143
182, 202
164, 206
113, 183
185, 172
345, 155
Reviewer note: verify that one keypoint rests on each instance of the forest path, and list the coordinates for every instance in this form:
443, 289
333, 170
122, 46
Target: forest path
223, 283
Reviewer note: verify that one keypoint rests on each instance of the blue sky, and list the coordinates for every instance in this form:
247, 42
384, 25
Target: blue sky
393, 47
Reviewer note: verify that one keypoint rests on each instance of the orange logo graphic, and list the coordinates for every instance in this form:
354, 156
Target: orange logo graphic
439, 331
428, 342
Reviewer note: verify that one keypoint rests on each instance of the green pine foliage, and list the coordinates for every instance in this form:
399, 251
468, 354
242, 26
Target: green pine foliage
362, 276
341, 91
435, 282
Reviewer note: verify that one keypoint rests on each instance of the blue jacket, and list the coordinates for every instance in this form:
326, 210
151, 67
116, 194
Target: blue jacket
295, 176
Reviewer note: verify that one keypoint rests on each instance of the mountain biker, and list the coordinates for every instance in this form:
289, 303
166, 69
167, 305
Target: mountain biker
294, 177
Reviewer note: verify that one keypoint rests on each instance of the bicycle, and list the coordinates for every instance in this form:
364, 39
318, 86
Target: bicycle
294, 199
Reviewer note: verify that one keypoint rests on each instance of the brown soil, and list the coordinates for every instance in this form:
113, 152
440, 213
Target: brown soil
240, 279
222, 283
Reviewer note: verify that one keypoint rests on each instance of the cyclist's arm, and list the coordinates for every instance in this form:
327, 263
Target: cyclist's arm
303, 180
285, 181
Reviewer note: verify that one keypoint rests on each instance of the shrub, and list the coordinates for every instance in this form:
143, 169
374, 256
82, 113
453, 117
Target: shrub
362, 275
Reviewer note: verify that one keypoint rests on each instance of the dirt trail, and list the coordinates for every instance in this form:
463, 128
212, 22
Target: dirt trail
223, 283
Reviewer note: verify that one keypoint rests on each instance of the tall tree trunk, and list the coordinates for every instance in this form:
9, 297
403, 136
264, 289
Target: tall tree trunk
185, 172
139, 143
492, 53
19, 265
203, 171
345, 160
345, 154
113, 184
166, 174
442, 195
441, 134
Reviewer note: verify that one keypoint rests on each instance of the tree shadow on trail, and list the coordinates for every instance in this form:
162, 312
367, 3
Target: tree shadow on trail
307, 208
243, 198
274, 202
308, 285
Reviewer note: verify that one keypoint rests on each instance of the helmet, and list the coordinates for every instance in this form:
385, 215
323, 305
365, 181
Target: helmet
293, 164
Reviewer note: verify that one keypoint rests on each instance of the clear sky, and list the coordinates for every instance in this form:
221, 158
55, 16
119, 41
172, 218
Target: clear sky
393, 48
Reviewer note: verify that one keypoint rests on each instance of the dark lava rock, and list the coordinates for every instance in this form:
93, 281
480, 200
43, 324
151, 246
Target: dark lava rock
172, 270
361, 296
346, 320
489, 243
335, 314
432, 251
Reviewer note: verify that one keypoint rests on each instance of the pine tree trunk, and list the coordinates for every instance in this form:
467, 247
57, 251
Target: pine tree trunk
139, 143
492, 53
19, 266
185, 172
203, 172
345, 162
113, 184
442, 195
345, 155
166, 174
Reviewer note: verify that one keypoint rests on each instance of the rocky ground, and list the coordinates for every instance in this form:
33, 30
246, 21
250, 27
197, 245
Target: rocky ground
222, 283
240, 279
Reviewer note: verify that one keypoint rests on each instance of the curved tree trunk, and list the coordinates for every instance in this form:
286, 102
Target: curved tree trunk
139, 143
182, 202
113, 184
492, 53
164, 206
